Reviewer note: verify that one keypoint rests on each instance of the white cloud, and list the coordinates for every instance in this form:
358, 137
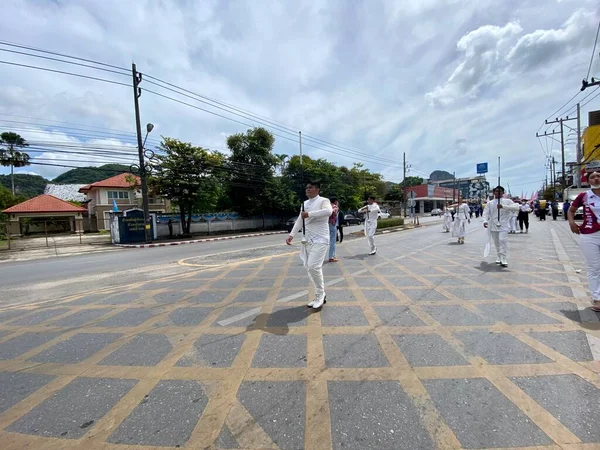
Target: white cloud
356, 73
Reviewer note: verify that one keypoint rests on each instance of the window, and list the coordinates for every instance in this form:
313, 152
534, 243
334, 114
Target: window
118, 195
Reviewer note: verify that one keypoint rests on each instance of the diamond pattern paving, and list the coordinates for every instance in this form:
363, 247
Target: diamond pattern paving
424, 346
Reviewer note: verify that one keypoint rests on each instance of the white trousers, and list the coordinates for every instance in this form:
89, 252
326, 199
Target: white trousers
313, 262
500, 239
370, 230
513, 223
590, 247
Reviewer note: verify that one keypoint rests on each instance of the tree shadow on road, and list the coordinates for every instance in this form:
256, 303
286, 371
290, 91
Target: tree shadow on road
279, 320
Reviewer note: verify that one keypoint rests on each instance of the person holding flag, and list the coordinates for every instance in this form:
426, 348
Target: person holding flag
314, 220
589, 230
496, 217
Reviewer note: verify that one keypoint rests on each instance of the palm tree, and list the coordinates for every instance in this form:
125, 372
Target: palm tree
10, 156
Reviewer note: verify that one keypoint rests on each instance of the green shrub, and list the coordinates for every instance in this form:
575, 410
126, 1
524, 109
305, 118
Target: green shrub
388, 223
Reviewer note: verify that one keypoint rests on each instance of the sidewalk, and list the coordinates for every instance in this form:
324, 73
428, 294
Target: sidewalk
424, 345
224, 237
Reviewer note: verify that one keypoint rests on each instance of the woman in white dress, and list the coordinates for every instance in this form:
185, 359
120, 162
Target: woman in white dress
447, 220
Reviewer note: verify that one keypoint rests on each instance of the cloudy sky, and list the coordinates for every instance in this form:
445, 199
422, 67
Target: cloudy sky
450, 82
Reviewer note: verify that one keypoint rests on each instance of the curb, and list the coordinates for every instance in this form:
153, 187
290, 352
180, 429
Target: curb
198, 241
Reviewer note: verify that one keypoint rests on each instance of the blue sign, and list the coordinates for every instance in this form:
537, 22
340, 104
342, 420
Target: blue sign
482, 168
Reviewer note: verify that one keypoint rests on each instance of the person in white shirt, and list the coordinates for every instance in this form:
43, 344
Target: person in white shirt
447, 219
371, 210
315, 241
496, 217
460, 221
512, 223
524, 216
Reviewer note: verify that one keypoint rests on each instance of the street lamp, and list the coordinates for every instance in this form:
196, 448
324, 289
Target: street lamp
149, 128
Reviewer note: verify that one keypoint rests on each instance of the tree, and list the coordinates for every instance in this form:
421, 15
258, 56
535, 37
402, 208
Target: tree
251, 167
7, 199
411, 181
191, 177
10, 156
395, 193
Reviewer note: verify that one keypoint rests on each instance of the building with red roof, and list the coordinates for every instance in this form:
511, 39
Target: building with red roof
122, 190
45, 208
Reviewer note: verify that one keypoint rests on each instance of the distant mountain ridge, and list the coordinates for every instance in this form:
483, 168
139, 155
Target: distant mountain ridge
33, 185
88, 175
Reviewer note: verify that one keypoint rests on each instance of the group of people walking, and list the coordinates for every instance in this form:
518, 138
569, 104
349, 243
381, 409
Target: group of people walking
318, 220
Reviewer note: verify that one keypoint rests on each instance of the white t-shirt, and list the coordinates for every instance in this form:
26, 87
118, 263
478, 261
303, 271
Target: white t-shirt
317, 224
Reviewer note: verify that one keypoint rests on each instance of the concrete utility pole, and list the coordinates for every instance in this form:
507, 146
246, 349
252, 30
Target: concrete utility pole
137, 79
562, 144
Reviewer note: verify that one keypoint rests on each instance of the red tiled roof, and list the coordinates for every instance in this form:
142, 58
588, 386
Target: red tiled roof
44, 204
118, 181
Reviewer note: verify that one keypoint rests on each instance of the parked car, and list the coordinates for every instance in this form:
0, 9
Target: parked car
437, 212
289, 224
579, 213
384, 215
350, 219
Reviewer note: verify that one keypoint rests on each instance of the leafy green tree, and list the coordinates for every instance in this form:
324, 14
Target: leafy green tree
191, 177
25, 184
412, 181
251, 168
395, 193
7, 199
10, 155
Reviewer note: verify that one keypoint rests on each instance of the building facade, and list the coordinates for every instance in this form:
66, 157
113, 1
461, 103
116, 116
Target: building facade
474, 189
428, 197
122, 190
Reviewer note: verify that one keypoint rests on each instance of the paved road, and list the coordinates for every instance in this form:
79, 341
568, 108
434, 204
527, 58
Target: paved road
422, 346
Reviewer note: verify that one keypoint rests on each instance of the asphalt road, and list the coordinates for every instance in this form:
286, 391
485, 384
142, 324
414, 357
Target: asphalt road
47, 279
425, 345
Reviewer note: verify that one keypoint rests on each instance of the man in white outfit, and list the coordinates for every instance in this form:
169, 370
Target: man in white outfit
447, 219
371, 210
496, 217
513, 221
315, 242
460, 221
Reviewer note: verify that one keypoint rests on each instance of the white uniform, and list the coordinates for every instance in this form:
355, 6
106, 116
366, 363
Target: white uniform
372, 213
461, 219
313, 252
499, 228
512, 223
447, 220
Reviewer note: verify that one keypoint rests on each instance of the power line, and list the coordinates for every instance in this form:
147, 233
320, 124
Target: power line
63, 61
593, 52
64, 72
36, 49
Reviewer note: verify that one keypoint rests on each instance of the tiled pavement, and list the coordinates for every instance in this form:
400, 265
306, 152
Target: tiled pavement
423, 346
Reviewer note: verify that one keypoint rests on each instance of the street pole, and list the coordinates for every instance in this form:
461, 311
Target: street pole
137, 79
454, 190
404, 181
562, 150
577, 168
302, 184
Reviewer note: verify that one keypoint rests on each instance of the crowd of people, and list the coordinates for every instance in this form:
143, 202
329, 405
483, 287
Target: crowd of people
320, 223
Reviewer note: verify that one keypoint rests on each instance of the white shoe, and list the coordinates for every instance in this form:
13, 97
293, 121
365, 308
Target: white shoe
311, 303
319, 302
373, 251
503, 262
498, 261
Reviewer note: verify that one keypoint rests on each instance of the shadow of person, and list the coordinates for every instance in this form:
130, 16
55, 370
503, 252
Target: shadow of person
490, 267
277, 322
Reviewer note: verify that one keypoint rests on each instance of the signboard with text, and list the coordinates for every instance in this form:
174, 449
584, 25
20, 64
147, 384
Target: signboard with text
482, 168
132, 227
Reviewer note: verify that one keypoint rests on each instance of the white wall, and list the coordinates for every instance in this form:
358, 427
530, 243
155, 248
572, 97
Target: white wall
219, 226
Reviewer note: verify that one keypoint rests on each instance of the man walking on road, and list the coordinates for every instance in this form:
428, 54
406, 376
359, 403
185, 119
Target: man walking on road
371, 210
333, 221
315, 242
496, 217
523, 216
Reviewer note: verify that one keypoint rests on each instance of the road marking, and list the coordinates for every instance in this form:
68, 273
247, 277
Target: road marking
256, 311
585, 314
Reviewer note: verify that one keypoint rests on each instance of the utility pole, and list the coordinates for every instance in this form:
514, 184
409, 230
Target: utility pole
404, 181
553, 178
579, 155
562, 144
137, 79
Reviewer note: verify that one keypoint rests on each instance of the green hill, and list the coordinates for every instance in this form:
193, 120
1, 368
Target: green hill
87, 175
25, 184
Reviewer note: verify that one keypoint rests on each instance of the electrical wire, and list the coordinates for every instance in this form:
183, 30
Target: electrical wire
593, 51
64, 73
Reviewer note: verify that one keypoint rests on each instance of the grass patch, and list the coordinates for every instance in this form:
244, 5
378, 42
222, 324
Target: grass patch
388, 223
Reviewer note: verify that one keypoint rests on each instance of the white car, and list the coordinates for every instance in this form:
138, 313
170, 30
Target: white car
383, 215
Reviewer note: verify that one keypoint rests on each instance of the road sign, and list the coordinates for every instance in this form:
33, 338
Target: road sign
412, 194
482, 168
412, 203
